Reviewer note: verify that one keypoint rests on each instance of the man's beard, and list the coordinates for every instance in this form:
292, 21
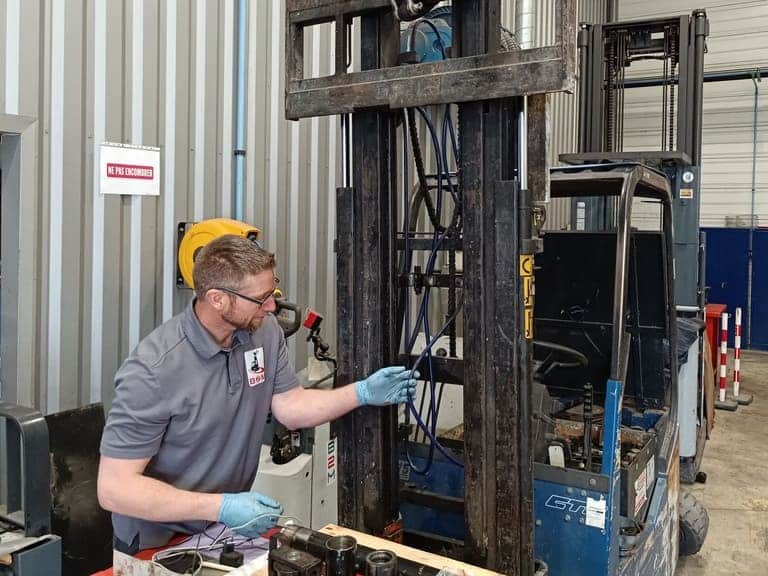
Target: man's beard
243, 323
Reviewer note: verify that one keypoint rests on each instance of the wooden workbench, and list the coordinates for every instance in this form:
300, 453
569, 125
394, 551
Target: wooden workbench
126, 565
426, 558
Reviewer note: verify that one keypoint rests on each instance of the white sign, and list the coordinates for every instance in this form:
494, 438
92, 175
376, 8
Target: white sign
331, 462
595, 513
640, 491
133, 170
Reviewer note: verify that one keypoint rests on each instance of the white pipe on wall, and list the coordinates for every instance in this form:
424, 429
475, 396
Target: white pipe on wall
137, 137
169, 165
97, 262
201, 54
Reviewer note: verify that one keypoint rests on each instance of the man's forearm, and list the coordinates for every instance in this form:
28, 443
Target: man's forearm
315, 407
150, 499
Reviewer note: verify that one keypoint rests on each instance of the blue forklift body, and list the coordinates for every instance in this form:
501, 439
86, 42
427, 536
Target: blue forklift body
577, 516
617, 515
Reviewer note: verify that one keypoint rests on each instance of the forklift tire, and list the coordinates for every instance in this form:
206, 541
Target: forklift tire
694, 524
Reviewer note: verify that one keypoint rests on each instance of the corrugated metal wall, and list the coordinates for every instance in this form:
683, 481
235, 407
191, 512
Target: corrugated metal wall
160, 73
738, 39
564, 111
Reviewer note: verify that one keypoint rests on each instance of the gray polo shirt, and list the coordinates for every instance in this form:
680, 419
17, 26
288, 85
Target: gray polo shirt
196, 410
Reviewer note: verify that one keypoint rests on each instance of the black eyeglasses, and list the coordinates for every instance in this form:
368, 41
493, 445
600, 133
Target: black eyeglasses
258, 301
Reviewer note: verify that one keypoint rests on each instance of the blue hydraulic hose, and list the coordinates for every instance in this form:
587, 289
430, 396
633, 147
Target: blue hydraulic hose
441, 159
436, 145
433, 409
407, 257
432, 413
434, 442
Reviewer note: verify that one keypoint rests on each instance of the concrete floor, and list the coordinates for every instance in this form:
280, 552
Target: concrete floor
736, 492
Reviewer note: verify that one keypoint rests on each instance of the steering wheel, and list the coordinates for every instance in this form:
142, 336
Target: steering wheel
551, 363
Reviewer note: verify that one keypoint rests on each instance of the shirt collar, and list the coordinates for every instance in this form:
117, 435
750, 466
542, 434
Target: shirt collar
201, 339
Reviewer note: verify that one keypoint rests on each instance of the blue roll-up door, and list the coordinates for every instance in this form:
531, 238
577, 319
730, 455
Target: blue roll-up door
759, 332
728, 270
728, 280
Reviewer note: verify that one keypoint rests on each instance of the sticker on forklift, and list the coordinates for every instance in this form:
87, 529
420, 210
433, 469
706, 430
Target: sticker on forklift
686, 193
405, 471
526, 265
640, 491
595, 513
528, 290
529, 323
331, 463
650, 472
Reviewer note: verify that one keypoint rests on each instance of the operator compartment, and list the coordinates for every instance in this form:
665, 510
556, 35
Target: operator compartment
576, 286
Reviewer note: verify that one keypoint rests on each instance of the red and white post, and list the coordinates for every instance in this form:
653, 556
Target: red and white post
723, 354
737, 354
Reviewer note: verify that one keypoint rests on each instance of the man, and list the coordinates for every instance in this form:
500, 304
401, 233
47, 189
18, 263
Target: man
183, 437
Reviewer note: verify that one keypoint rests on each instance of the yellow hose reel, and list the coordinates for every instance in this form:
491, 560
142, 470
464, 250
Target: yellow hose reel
199, 234
193, 237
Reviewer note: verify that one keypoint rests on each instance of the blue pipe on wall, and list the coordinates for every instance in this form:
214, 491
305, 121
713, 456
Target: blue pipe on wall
241, 57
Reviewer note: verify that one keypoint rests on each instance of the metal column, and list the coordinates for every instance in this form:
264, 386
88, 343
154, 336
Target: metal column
498, 476
367, 437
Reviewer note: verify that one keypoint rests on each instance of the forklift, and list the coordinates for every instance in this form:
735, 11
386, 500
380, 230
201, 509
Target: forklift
559, 348
595, 325
672, 51
609, 414
605, 395
481, 114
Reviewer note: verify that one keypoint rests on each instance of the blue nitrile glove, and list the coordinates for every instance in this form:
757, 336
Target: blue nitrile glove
391, 385
250, 514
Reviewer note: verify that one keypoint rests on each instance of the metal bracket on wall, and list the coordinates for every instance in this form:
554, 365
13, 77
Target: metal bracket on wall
181, 230
465, 79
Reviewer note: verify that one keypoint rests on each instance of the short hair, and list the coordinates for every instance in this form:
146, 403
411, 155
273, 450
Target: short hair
227, 261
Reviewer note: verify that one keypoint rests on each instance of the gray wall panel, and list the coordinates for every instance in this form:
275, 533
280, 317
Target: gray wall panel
182, 132
564, 108
185, 83
152, 104
111, 326
44, 114
73, 172
8, 26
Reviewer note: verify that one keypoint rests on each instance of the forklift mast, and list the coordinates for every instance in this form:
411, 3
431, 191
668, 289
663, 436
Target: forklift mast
607, 55
502, 171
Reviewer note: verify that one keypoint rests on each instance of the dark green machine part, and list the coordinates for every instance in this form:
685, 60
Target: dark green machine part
84, 526
52, 466
28, 503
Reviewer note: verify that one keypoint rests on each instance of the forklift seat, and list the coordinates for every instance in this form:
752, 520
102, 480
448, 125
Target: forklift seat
574, 304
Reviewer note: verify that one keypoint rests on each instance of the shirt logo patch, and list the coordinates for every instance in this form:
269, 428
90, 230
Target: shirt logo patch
254, 366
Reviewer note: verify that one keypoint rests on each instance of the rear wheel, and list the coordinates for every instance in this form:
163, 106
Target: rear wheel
694, 524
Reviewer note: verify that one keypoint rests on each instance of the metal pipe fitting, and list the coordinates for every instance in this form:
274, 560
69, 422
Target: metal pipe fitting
340, 556
381, 563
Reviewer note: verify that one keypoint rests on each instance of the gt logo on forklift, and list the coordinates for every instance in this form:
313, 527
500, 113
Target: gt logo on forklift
566, 504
